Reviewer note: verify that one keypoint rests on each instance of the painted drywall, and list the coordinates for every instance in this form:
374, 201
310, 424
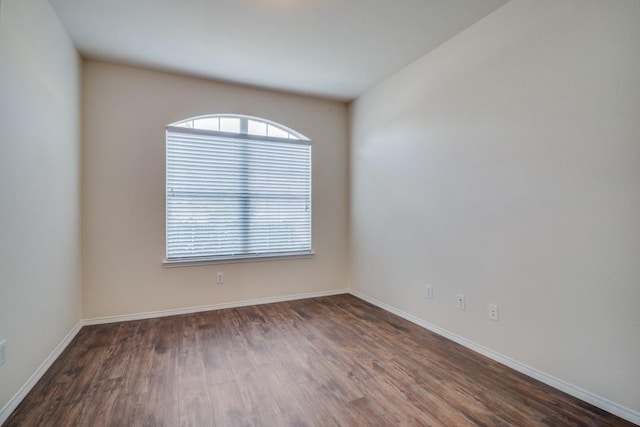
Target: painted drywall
39, 188
125, 113
505, 166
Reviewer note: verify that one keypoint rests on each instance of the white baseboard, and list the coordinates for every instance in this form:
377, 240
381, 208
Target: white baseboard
557, 383
587, 396
189, 310
13, 403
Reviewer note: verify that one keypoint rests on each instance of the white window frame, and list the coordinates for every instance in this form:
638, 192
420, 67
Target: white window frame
293, 138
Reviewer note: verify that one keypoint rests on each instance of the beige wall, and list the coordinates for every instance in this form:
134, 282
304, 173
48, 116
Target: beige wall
39, 188
505, 165
125, 114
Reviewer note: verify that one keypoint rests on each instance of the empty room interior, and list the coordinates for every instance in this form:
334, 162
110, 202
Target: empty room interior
296, 212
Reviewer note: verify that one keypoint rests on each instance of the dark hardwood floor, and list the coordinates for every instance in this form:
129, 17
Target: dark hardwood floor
317, 362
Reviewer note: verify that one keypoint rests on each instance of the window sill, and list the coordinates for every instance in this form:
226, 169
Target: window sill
190, 262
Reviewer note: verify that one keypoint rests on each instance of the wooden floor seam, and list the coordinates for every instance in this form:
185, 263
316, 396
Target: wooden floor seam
326, 361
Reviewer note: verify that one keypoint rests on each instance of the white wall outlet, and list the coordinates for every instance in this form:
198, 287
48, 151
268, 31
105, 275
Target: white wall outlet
493, 312
460, 301
428, 292
219, 278
3, 352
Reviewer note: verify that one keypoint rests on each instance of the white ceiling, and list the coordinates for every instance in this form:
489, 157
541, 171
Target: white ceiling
329, 48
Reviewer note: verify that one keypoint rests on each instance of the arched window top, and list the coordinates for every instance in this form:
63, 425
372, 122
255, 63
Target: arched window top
237, 188
241, 125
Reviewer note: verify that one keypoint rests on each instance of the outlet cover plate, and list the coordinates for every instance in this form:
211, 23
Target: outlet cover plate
428, 292
493, 312
3, 352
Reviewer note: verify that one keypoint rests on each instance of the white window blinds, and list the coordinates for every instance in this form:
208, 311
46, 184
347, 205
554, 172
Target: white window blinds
236, 195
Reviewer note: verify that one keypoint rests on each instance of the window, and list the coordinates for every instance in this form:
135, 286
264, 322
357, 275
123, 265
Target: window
237, 187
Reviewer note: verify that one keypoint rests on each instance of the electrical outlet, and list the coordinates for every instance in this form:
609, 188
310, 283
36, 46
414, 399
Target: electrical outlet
428, 292
3, 352
493, 312
219, 278
460, 301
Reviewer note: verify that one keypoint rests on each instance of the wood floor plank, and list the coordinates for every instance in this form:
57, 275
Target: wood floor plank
331, 361
195, 399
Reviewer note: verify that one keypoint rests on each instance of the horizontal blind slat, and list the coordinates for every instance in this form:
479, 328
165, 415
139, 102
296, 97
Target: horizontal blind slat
229, 196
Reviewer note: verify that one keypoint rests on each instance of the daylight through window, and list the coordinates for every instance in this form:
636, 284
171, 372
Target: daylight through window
236, 187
